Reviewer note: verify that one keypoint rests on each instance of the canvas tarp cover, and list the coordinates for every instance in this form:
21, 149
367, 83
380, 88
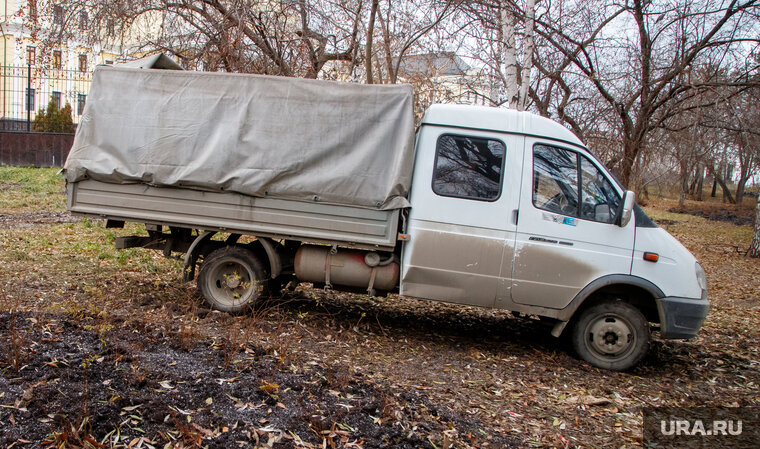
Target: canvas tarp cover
261, 136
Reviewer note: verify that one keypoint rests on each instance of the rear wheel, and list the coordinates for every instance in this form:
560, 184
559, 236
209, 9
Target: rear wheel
611, 335
231, 279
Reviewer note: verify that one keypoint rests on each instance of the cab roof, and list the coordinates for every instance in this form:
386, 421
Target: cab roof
498, 119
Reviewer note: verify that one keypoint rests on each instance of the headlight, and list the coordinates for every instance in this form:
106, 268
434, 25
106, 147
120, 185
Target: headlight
701, 278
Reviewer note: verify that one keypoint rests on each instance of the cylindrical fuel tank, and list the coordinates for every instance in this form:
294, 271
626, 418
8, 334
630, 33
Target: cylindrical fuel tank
347, 267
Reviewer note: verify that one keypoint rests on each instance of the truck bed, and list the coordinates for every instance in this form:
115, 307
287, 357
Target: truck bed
236, 213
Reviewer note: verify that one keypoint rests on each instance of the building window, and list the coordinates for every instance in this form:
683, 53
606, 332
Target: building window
56, 96
82, 63
31, 54
468, 167
30, 99
83, 20
57, 59
81, 99
33, 10
58, 15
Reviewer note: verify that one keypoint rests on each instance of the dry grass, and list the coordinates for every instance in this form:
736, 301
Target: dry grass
25, 189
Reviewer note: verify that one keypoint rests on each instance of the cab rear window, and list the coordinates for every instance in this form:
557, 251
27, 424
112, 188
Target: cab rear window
468, 167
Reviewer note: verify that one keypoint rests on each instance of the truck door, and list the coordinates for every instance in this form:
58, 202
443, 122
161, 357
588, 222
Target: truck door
461, 224
567, 234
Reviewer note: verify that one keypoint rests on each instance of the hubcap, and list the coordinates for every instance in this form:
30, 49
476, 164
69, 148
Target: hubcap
231, 281
610, 336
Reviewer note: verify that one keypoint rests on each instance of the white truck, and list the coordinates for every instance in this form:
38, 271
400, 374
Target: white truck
481, 206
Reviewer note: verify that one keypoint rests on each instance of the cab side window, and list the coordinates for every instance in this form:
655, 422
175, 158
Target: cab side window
600, 200
562, 177
468, 167
555, 180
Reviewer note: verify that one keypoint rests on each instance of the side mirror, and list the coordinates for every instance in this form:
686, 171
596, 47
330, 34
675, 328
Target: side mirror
602, 213
625, 216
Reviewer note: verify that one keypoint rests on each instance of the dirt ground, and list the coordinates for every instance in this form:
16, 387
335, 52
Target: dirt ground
106, 348
742, 215
29, 219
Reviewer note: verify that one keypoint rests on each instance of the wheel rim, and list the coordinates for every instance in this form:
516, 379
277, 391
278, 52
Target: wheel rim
232, 282
610, 336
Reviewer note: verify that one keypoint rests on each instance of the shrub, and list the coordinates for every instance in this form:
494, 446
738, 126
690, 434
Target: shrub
54, 120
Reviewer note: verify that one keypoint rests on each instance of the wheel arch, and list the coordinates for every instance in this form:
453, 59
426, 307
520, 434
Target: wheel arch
263, 247
266, 249
634, 290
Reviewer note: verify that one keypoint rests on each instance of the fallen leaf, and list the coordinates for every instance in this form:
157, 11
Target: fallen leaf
269, 387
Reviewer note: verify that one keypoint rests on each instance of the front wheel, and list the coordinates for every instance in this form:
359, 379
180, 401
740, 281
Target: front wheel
231, 279
611, 335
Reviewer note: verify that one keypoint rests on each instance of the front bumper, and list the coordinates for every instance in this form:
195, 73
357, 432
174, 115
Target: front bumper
681, 317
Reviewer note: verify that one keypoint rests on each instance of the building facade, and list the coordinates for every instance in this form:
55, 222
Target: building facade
48, 56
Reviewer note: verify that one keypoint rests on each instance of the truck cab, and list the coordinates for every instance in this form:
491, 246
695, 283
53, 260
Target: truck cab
510, 210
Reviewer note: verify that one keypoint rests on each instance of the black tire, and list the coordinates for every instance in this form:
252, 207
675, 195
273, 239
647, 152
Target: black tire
232, 279
612, 335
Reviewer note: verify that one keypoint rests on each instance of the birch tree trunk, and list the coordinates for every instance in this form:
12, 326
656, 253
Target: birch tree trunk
754, 248
530, 19
516, 78
509, 55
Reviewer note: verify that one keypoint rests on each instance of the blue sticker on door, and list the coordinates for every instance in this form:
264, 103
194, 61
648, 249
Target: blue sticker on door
559, 219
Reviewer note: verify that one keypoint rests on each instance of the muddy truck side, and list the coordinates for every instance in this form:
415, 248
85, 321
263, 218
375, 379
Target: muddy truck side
480, 206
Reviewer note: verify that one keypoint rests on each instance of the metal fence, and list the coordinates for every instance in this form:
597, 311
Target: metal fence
25, 90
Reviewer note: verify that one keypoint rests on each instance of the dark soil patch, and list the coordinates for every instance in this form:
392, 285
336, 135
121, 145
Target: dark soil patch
739, 215
26, 220
83, 381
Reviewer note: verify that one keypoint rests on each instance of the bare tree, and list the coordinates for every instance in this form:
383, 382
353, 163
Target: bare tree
285, 38
643, 73
724, 118
740, 116
370, 38
404, 24
502, 32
